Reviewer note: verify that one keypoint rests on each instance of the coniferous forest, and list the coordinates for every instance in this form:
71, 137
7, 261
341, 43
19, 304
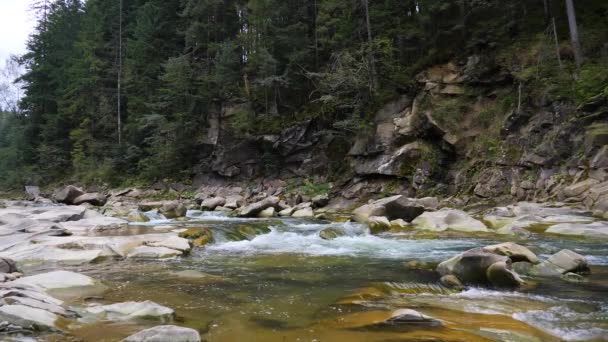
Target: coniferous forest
121, 90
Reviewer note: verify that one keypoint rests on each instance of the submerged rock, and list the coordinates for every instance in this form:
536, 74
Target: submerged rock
331, 233
398, 319
132, 310
165, 333
198, 236
448, 219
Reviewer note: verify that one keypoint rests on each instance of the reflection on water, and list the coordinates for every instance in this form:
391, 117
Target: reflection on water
286, 286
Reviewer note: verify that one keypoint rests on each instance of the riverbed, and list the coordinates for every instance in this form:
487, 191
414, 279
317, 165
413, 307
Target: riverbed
291, 285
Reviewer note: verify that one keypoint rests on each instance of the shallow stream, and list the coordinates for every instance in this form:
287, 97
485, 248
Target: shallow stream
291, 285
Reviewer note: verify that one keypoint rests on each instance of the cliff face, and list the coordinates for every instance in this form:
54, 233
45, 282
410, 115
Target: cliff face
468, 130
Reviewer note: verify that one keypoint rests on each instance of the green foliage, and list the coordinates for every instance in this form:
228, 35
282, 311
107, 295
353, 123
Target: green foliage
449, 111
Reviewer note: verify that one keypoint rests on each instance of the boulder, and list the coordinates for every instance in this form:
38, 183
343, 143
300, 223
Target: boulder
28, 317
590, 230
198, 236
398, 224
8, 266
60, 214
173, 210
560, 263
378, 224
172, 242
287, 212
148, 252
147, 206
165, 333
395, 207
450, 281
255, 208
211, 203
500, 275
471, 267
94, 198
331, 233
398, 319
267, 213
132, 310
303, 213
448, 219
580, 187
137, 216
320, 201
234, 202
514, 251
56, 280
67, 194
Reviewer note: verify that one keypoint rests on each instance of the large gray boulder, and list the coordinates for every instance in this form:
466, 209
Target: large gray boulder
8, 265
395, 207
478, 267
253, 209
590, 230
173, 210
32, 192
448, 219
67, 194
514, 251
132, 310
211, 203
93, 198
165, 333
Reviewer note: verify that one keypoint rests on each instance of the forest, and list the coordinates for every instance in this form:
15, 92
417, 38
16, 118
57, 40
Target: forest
120, 91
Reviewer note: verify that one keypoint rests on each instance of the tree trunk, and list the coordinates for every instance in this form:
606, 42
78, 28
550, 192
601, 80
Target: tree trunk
547, 11
372, 63
119, 117
576, 45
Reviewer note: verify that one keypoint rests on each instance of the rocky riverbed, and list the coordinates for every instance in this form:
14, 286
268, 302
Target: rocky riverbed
262, 267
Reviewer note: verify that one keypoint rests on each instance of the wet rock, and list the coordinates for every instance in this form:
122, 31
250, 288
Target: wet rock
331, 233
395, 207
172, 242
29, 318
148, 206
320, 201
60, 214
448, 219
398, 224
402, 318
378, 224
561, 263
471, 267
211, 203
136, 216
95, 199
8, 265
451, 281
590, 230
56, 280
147, 252
267, 213
248, 232
67, 194
132, 310
500, 275
303, 213
198, 236
165, 333
514, 251
600, 160
255, 208
173, 210
20, 298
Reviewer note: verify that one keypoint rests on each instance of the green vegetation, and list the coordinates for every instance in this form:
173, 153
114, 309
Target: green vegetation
180, 61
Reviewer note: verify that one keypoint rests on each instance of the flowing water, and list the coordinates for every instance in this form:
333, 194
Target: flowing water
291, 285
